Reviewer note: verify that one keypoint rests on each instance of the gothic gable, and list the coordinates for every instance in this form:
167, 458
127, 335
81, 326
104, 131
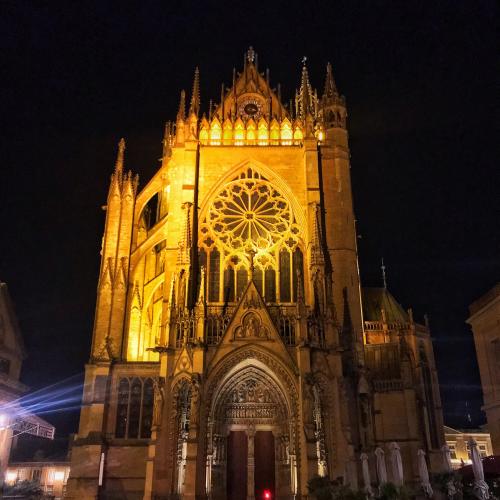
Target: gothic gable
251, 324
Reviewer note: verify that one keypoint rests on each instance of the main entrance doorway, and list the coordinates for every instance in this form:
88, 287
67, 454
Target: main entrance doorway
264, 464
249, 442
250, 456
237, 465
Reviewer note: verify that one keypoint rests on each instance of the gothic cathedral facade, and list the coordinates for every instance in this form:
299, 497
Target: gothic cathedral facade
234, 353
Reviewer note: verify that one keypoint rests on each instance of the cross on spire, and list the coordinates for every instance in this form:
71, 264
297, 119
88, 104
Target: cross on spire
384, 277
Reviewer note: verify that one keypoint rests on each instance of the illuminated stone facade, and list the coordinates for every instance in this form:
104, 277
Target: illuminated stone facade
485, 322
50, 476
228, 353
458, 445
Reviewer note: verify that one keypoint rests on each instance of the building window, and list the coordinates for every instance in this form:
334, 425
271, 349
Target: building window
285, 295
250, 223
134, 412
482, 450
214, 276
36, 475
453, 451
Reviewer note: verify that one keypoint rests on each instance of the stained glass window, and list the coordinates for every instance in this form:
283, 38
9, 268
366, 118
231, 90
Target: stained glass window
122, 408
147, 409
249, 216
134, 412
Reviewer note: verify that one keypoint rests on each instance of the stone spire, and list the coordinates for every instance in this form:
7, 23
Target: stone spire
194, 107
305, 93
181, 114
120, 156
330, 87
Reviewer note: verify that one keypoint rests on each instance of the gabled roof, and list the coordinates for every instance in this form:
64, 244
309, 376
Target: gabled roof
376, 299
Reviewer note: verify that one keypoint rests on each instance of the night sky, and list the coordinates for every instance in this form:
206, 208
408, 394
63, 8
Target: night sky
420, 83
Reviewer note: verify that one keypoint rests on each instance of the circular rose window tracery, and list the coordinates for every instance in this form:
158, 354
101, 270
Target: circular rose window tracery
249, 214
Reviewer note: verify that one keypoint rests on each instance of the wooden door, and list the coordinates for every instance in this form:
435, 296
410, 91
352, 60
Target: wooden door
264, 465
237, 454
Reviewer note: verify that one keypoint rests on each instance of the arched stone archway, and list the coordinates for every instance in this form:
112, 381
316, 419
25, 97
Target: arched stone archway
252, 429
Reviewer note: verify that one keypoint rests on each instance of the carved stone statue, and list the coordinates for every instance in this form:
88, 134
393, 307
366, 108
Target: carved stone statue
159, 399
308, 399
195, 399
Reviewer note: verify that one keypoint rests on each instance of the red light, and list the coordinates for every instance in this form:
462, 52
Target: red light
267, 494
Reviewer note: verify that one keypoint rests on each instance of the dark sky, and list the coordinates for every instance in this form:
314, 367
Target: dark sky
419, 78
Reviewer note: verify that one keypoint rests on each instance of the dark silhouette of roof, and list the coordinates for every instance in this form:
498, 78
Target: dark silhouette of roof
376, 299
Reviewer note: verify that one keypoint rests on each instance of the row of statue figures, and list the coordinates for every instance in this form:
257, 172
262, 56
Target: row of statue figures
395, 462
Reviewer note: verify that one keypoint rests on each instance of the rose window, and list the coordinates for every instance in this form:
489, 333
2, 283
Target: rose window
249, 214
248, 219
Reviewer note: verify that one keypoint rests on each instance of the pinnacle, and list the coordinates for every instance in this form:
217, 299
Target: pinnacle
330, 87
120, 155
181, 114
194, 106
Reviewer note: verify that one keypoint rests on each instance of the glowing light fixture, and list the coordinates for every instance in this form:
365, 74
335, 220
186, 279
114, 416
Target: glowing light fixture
59, 475
267, 495
11, 476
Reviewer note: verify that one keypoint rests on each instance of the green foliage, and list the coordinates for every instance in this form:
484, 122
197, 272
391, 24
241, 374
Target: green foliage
440, 482
342, 492
322, 488
389, 491
25, 489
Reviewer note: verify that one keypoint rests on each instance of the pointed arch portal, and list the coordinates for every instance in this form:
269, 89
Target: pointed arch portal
251, 435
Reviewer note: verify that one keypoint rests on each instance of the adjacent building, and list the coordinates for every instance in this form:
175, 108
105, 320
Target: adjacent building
50, 476
12, 353
14, 418
233, 351
458, 443
485, 322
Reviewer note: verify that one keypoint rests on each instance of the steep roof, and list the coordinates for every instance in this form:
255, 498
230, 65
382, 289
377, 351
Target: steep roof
376, 299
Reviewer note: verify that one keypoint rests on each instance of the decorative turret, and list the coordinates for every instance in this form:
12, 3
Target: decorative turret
306, 102
305, 96
332, 106
112, 290
330, 91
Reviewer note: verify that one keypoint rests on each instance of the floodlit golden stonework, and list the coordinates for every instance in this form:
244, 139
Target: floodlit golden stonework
231, 353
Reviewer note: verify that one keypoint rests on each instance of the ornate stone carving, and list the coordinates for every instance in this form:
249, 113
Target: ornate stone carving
251, 327
195, 398
251, 302
249, 213
159, 399
251, 391
267, 360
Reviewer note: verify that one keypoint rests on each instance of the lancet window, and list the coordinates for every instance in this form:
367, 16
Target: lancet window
134, 412
250, 223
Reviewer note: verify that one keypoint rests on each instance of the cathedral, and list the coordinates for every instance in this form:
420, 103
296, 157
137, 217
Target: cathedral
235, 354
